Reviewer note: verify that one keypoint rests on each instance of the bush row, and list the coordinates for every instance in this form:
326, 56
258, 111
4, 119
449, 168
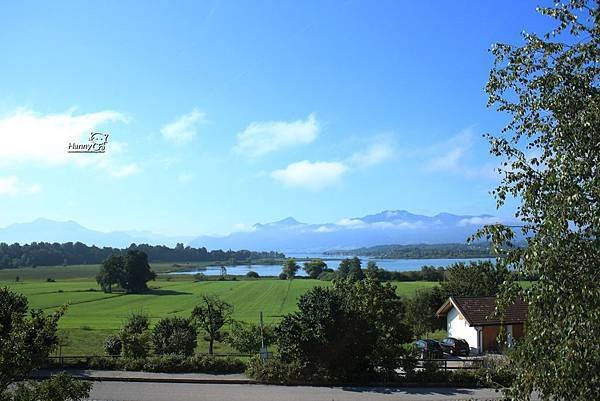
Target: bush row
159, 364
274, 371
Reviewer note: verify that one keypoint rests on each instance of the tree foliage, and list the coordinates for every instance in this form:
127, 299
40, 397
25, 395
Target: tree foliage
246, 337
136, 272
113, 345
351, 331
421, 308
135, 336
314, 267
211, 314
174, 336
550, 154
130, 271
26, 340
60, 387
111, 272
351, 268
290, 268
69, 253
475, 279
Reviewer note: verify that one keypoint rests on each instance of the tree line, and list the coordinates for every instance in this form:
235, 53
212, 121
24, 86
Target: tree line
75, 253
420, 251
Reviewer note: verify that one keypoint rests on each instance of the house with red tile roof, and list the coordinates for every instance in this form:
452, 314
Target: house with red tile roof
473, 319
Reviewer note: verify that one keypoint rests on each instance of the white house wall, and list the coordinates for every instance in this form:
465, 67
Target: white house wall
458, 327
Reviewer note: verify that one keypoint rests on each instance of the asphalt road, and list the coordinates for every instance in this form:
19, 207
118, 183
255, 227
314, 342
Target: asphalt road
126, 391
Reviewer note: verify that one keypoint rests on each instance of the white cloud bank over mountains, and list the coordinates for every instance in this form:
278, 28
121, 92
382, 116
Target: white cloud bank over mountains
289, 235
387, 227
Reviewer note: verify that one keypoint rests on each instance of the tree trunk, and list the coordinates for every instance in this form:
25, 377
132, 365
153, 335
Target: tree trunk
210, 346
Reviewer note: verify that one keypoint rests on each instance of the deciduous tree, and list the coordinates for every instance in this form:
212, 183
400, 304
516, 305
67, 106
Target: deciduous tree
174, 336
550, 154
111, 272
290, 268
26, 340
352, 331
475, 279
211, 314
314, 267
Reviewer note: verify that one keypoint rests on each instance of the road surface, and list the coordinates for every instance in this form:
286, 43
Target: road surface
128, 391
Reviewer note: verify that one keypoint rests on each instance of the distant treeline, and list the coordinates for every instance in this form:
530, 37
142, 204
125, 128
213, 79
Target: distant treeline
420, 251
69, 253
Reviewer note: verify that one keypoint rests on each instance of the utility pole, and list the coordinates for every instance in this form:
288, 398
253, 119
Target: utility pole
264, 353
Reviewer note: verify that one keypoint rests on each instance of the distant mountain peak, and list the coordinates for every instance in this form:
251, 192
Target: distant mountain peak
288, 221
385, 227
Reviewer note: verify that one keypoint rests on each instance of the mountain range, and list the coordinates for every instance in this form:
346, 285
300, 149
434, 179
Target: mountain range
287, 235
387, 227
45, 230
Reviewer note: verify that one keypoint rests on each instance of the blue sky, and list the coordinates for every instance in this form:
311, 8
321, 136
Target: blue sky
226, 113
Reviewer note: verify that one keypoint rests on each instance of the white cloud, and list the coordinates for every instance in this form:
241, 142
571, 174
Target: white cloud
325, 229
26, 136
313, 176
184, 128
241, 227
12, 185
394, 224
476, 221
375, 154
346, 222
261, 138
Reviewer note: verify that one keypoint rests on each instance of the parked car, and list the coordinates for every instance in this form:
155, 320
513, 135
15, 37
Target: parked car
455, 346
428, 349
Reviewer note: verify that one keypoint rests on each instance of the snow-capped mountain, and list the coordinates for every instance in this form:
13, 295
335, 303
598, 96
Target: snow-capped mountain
387, 227
287, 235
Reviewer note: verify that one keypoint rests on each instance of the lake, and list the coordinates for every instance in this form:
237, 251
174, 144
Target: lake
332, 262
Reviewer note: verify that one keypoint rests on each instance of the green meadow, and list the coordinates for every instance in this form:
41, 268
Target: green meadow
93, 314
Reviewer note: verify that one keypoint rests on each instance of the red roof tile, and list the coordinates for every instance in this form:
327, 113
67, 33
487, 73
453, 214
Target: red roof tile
477, 310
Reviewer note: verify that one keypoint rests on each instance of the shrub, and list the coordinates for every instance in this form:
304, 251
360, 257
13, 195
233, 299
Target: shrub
135, 336
183, 364
246, 339
275, 371
352, 331
166, 364
103, 363
327, 276
282, 276
132, 364
252, 274
159, 364
113, 345
174, 335
208, 364
50, 280
199, 277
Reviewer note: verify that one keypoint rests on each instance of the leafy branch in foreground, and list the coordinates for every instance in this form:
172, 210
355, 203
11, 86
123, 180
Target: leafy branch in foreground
25, 343
550, 155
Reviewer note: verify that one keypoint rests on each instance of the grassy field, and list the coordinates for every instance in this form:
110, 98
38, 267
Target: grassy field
92, 314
